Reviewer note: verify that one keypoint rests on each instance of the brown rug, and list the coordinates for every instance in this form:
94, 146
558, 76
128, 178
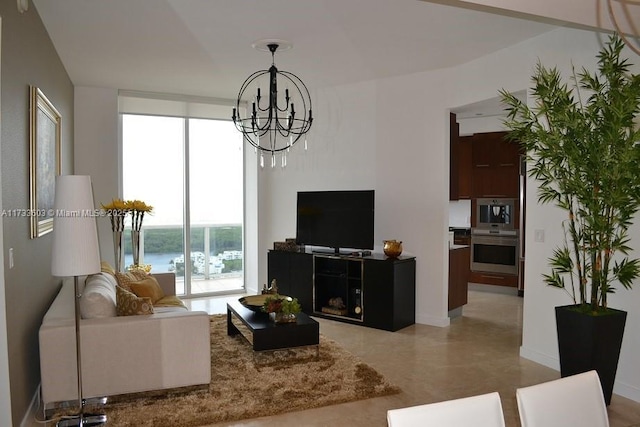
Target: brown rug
244, 385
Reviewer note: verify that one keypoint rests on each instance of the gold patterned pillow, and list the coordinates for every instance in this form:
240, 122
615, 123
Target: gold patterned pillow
125, 279
105, 267
147, 287
128, 304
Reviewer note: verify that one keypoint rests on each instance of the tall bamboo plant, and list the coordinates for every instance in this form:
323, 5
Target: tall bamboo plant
581, 142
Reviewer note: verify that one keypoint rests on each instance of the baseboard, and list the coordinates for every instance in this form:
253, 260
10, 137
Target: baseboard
432, 321
620, 388
626, 390
541, 358
29, 417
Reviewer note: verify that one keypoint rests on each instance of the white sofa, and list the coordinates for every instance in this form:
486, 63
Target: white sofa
122, 354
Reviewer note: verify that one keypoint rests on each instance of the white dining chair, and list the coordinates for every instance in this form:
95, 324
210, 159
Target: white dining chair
576, 400
483, 410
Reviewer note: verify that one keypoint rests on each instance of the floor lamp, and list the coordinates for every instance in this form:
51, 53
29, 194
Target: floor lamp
75, 253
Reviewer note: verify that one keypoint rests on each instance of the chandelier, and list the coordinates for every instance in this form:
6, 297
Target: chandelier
273, 125
624, 5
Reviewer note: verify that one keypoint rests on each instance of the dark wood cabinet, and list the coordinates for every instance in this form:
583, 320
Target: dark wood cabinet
459, 261
390, 293
465, 167
495, 165
377, 291
293, 272
460, 184
454, 157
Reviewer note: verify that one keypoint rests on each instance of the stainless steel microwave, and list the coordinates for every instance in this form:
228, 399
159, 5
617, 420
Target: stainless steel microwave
495, 213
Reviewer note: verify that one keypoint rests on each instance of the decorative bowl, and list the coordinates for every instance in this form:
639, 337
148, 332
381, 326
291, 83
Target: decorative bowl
255, 302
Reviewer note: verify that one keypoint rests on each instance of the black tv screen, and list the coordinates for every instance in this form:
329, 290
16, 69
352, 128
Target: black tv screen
336, 219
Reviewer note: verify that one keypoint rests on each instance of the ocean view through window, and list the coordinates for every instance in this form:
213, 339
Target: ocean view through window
191, 171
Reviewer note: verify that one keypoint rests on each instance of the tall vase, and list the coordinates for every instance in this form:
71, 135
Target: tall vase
118, 250
135, 246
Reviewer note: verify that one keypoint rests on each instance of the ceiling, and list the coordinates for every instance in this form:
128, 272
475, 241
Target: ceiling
203, 47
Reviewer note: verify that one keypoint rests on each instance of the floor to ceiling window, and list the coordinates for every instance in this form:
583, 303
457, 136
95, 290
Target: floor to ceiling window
191, 171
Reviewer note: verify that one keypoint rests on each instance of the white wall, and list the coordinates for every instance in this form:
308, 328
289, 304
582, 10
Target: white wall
5, 390
96, 152
389, 135
511, 69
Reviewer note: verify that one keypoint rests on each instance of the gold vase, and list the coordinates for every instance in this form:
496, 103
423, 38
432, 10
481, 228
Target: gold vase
392, 248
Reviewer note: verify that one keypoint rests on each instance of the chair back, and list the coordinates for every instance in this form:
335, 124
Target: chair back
576, 400
476, 411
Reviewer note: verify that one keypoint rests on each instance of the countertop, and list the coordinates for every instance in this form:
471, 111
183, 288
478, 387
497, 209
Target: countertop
454, 247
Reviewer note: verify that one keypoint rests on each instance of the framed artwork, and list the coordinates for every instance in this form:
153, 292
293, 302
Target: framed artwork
44, 161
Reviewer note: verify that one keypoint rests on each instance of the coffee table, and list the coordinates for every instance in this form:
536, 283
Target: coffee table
264, 334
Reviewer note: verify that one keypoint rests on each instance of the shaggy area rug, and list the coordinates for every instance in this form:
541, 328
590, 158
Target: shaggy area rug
246, 385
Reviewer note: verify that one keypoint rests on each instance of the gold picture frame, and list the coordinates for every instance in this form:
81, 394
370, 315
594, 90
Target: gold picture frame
44, 161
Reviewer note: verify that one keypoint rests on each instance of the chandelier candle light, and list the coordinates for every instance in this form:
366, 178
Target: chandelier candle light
273, 125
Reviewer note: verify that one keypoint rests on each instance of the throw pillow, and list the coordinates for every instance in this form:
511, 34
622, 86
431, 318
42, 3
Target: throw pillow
124, 279
99, 297
105, 267
128, 304
147, 287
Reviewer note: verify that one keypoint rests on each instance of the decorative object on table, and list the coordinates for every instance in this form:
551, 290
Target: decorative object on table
281, 309
273, 126
256, 302
581, 145
44, 161
76, 253
392, 248
117, 211
335, 306
289, 245
273, 289
137, 208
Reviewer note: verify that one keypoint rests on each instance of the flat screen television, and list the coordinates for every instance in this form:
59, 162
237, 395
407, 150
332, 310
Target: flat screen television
335, 219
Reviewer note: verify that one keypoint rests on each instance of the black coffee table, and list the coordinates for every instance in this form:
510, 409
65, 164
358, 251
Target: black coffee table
264, 334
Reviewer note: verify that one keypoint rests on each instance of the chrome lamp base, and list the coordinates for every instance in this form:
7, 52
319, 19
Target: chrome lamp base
83, 420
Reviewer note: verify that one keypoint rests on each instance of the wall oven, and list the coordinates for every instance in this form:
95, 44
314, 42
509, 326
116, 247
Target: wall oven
495, 251
495, 214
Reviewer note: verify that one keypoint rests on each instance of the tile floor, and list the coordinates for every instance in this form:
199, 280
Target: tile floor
478, 353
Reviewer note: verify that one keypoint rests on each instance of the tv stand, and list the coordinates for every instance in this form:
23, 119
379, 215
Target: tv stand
377, 291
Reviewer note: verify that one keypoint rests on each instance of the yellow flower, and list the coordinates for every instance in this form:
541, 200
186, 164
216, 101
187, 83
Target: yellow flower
139, 206
115, 205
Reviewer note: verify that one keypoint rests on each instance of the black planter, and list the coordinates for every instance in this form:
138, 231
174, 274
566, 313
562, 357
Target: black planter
589, 342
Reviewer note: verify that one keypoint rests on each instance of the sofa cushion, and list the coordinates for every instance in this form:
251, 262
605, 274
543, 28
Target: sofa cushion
124, 279
99, 297
169, 301
147, 287
128, 304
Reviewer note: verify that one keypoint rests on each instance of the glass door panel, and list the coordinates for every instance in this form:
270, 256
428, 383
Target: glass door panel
216, 205
153, 171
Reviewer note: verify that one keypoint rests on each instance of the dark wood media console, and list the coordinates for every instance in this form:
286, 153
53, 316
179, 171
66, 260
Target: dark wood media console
376, 291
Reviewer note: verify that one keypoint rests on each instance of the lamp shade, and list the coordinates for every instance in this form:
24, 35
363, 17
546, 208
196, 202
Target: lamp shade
75, 237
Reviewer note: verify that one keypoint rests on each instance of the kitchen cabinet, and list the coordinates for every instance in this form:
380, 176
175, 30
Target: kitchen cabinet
454, 154
460, 183
459, 259
493, 279
495, 166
